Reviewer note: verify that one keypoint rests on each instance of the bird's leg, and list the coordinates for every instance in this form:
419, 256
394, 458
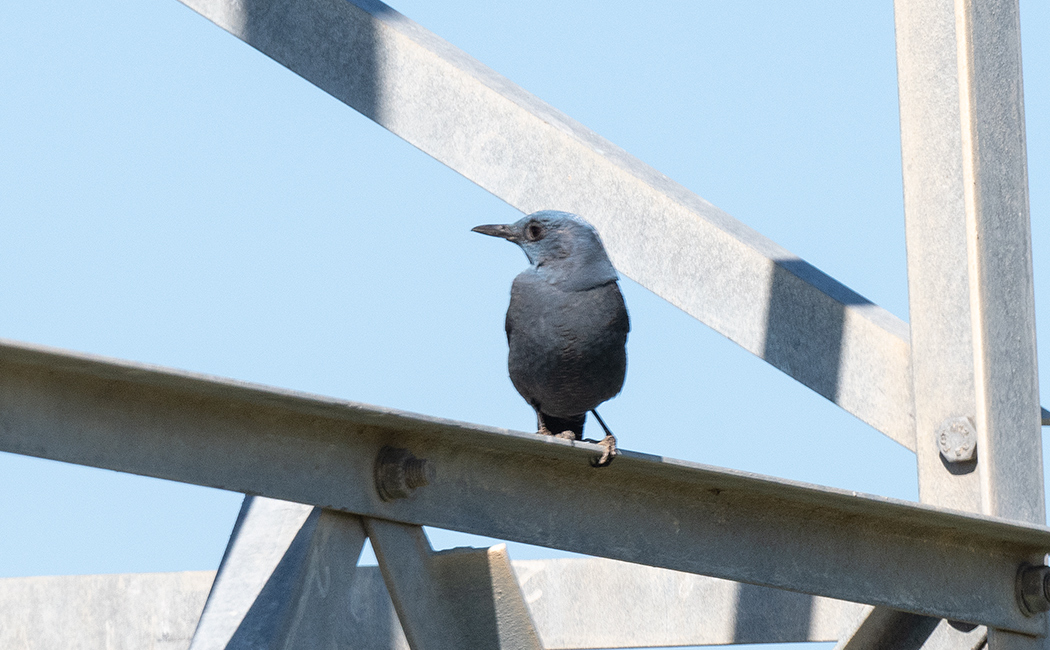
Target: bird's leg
608, 443
543, 430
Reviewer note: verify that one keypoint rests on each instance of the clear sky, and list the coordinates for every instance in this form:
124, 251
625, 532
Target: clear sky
172, 196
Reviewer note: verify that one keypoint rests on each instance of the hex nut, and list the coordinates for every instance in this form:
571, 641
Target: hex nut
1033, 589
957, 439
397, 473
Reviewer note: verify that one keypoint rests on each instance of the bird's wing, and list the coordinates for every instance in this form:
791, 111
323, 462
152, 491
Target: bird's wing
622, 321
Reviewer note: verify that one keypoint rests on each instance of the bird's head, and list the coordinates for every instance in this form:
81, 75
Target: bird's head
563, 248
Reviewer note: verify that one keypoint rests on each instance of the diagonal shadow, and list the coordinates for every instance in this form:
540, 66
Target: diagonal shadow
270, 612
762, 610
804, 329
300, 34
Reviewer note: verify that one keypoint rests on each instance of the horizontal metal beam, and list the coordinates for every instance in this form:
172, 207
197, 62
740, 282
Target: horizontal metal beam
599, 603
576, 603
658, 233
515, 486
121, 611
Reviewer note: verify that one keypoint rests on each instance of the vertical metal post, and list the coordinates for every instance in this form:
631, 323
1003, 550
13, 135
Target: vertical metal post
972, 306
1002, 299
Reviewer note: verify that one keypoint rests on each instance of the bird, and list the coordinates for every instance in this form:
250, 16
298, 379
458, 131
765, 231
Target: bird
567, 324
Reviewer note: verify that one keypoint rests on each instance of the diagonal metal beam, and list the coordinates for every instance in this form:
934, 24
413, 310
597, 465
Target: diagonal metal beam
671, 241
459, 598
283, 580
538, 490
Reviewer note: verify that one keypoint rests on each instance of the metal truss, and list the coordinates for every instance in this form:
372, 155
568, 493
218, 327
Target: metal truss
958, 386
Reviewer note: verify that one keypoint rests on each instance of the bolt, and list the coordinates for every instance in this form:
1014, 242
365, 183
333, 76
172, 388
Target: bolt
398, 473
1033, 589
957, 439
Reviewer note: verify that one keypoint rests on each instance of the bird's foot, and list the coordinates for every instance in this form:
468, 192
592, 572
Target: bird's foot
608, 444
564, 435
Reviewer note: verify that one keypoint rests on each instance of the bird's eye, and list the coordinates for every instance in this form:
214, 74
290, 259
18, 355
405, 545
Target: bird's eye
534, 231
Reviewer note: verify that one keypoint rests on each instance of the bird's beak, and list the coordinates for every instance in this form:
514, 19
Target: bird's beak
506, 231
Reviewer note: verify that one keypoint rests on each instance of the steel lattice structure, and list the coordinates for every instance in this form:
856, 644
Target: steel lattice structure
960, 376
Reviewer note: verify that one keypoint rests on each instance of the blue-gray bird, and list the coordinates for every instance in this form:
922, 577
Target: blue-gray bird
566, 325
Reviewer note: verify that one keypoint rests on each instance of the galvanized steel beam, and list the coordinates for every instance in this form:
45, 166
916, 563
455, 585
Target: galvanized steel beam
124, 611
598, 603
999, 247
935, 227
880, 628
640, 607
448, 600
283, 580
538, 490
971, 305
671, 241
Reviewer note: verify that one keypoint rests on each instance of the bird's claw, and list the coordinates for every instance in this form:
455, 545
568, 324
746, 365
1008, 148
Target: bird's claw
564, 435
608, 443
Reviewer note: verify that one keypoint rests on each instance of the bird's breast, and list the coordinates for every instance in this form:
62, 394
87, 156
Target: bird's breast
567, 348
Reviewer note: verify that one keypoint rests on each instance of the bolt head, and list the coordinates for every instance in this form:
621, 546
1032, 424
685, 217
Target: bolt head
957, 439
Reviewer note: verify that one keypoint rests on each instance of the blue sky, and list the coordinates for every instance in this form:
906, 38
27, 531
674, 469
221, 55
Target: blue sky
170, 195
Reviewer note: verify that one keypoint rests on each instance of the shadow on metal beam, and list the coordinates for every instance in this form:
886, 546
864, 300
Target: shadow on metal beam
804, 329
760, 609
350, 72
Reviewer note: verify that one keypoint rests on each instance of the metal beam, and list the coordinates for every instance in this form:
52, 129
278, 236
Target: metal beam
515, 486
283, 580
885, 629
123, 611
879, 628
576, 604
598, 603
660, 234
935, 227
448, 600
969, 277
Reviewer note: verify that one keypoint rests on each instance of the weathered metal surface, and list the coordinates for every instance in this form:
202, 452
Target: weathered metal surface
935, 227
969, 271
639, 606
459, 598
878, 628
1002, 297
283, 581
671, 241
115, 612
887, 629
597, 603
515, 486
